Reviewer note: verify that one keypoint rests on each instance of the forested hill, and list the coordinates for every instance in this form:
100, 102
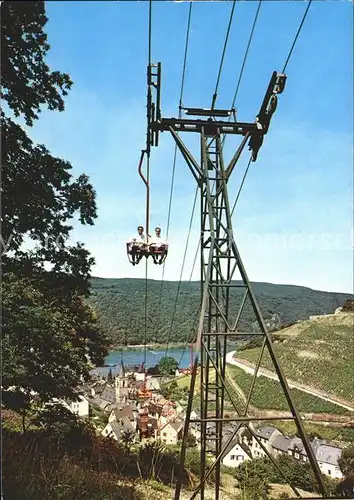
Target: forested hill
120, 304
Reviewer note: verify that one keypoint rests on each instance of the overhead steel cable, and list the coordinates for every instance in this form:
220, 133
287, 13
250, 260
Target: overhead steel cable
179, 115
296, 36
181, 273
241, 186
215, 95
192, 330
246, 54
244, 61
149, 31
147, 181
283, 71
185, 55
175, 151
186, 298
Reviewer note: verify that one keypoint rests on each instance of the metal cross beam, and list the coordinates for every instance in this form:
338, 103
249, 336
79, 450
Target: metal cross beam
209, 126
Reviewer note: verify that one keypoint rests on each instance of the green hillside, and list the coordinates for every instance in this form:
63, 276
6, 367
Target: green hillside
120, 304
318, 353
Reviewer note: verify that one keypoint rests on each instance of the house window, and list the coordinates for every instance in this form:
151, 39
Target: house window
164, 433
296, 455
232, 457
239, 458
329, 472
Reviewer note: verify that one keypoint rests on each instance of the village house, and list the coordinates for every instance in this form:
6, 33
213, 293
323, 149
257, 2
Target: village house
266, 436
81, 408
327, 457
119, 429
147, 427
236, 453
171, 432
128, 411
195, 427
146, 423
108, 395
291, 446
152, 384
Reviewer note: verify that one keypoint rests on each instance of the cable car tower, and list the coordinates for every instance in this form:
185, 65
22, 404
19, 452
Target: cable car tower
223, 277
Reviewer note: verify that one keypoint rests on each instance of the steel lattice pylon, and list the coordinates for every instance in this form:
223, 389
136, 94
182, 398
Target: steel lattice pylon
220, 264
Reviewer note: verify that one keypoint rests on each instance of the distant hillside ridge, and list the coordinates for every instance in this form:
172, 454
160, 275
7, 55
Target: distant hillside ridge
120, 305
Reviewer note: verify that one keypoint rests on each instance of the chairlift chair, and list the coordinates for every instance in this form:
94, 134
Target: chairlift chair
159, 251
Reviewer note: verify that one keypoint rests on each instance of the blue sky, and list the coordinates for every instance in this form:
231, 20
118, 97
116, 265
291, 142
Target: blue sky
293, 223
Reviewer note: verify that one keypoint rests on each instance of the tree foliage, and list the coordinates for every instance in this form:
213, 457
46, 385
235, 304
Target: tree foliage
120, 304
346, 462
254, 476
49, 332
27, 82
167, 365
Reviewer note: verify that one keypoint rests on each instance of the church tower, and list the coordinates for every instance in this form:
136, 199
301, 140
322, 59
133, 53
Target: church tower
121, 385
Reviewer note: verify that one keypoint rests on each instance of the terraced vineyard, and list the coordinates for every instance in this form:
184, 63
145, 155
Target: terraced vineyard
267, 395
318, 353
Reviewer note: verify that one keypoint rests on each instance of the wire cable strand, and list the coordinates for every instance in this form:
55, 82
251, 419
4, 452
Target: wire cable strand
185, 55
241, 186
181, 273
215, 95
150, 31
184, 67
244, 63
179, 114
284, 68
246, 54
186, 298
147, 180
296, 36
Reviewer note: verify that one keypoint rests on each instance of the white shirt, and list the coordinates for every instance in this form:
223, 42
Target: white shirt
157, 240
139, 238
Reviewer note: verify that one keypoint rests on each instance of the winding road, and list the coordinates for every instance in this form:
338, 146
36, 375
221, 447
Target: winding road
265, 373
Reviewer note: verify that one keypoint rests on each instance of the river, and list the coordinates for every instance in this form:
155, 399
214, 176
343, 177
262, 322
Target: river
136, 357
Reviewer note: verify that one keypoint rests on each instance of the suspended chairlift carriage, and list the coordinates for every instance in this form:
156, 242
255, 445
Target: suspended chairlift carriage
136, 250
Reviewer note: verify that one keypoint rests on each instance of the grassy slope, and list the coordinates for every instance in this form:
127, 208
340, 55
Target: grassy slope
318, 353
121, 307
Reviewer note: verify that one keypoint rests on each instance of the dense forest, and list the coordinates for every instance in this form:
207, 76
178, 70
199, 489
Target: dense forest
120, 304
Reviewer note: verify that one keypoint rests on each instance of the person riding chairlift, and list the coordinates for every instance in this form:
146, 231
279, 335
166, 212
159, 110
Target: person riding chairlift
138, 246
156, 244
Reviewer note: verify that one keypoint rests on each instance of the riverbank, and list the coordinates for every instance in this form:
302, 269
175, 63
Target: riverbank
153, 347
